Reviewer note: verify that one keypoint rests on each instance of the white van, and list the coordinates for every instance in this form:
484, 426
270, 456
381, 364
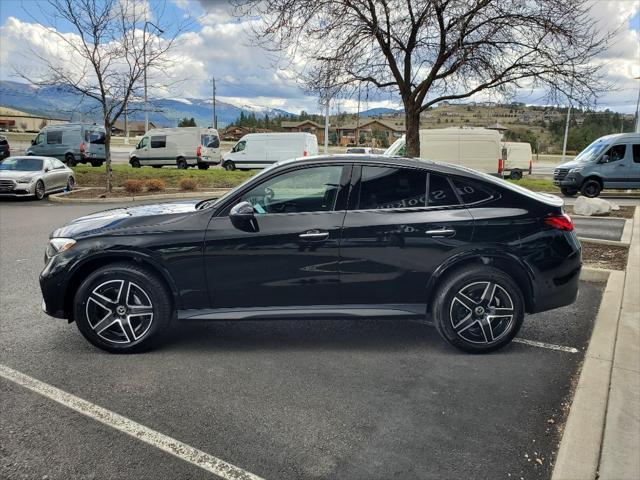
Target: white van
183, 146
477, 148
259, 150
518, 159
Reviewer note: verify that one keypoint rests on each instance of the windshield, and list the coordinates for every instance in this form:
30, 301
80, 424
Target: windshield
21, 164
397, 149
592, 151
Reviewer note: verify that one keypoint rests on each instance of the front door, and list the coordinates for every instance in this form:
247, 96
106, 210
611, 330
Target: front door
401, 224
615, 170
292, 258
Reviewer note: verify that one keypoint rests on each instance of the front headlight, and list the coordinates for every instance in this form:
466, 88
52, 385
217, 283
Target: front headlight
576, 170
25, 180
59, 245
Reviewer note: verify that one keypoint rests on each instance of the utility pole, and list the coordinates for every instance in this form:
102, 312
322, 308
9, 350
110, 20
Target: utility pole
214, 122
566, 127
358, 118
126, 119
638, 109
326, 127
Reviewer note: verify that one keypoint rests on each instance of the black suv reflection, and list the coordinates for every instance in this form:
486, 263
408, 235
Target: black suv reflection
342, 236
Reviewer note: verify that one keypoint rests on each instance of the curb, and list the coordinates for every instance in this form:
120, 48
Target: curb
601, 434
604, 242
595, 275
63, 198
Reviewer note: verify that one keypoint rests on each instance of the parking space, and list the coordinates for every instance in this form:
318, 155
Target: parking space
281, 399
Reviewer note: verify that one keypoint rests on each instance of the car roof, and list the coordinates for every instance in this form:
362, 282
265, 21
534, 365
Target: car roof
35, 157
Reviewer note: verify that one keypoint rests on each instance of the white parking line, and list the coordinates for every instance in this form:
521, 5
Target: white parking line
181, 450
524, 341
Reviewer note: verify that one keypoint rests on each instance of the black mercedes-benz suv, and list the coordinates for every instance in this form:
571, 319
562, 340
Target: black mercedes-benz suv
324, 237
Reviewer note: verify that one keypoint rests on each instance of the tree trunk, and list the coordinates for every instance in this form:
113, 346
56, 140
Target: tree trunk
412, 125
107, 151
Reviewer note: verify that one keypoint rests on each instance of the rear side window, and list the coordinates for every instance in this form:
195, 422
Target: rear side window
636, 153
472, 192
94, 136
159, 142
441, 193
385, 188
54, 137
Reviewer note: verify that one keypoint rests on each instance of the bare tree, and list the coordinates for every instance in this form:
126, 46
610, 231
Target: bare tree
428, 51
106, 56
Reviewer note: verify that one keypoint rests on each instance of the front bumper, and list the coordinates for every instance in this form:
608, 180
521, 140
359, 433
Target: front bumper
53, 287
9, 188
569, 180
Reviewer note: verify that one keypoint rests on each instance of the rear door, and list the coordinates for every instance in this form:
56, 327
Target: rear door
633, 178
401, 224
58, 174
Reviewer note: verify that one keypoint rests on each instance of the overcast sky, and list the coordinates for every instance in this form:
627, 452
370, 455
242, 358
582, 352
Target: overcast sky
217, 44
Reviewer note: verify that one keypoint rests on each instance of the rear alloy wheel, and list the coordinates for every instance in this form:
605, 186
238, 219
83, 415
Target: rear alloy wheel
182, 163
229, 166
70, 160
591, 188
569, 192
122, 308
515, 175
479, 310
71, 183
135, 163
40, 190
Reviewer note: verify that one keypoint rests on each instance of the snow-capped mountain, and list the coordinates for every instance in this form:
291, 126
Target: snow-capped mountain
60, 103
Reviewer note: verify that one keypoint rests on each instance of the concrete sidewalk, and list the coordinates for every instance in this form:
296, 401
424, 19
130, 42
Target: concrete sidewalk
602, 434
620, 456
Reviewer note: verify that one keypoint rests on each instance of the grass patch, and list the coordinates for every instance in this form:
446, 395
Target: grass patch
87, 176
536, 184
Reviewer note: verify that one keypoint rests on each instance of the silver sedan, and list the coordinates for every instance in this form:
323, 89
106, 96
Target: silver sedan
34, 176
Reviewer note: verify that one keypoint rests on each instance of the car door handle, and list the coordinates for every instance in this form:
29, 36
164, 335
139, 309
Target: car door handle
314, 235
440, 233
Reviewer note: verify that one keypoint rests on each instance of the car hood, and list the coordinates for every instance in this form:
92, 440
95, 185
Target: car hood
15, 174
126, 217
571, 165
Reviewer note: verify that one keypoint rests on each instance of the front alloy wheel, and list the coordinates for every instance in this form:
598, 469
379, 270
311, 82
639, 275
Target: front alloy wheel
479, 309
40, 190
122, 308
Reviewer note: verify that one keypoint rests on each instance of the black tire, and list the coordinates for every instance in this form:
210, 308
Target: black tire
463, 293
156, 166
181, 163
569, 192
71, 183
203, 166
229, 166
96, 163
515, 175
141, 287
40, 190
591, 188
134, 162
70, 160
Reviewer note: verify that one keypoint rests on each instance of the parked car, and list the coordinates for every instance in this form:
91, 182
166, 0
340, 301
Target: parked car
34, 176
69, 142
259, 150
612, 161
518, 159
5, 149
183, 147
477, 148
346, 236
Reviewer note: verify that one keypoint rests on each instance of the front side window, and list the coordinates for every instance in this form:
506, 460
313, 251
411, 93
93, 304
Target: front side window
441, 193
471, 192
240, 146
616, 153
159, 142
143, 143
54, 137
39, 139
390, 187
306, 190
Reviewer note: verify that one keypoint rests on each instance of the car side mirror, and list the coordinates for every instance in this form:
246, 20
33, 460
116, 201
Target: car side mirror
243, 217
46, 169
33, 142
604, 159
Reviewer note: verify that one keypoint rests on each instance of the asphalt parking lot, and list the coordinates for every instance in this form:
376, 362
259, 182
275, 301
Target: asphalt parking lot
280, 399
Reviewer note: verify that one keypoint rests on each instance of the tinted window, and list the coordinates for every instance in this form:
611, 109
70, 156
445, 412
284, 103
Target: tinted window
21, 164
472, 192
616, 152
440, 192
3, 141
383, 187
307, 190
159, 142
210, 141
54, 137
636, 153
143, 143
239, 146
94, 136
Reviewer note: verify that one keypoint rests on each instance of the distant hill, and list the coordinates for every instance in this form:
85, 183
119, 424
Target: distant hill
375, 112
65, 104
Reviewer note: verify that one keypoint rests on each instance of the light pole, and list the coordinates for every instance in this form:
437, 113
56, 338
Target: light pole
638, 110
214, 123
144, 59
